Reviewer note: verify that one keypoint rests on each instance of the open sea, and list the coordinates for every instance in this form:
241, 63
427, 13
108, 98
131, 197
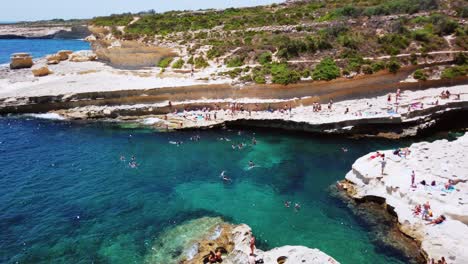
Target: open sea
67, 197
38, 47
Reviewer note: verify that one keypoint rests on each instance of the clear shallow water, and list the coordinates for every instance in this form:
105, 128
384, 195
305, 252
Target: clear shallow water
38, 47
52, 172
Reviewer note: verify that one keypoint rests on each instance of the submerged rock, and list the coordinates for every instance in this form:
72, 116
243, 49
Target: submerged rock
192, 241
20, 61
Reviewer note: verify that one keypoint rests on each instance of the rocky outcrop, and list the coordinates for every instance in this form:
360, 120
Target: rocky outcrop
41, 71
43, 31
437, 163
82, 56
193, 240
20, 61
241, 235
64, 54
53, 59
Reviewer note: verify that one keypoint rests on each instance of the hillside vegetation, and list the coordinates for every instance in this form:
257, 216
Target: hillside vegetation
295, 38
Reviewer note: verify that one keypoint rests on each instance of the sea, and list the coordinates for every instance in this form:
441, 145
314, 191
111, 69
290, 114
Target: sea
38, 47
70, 195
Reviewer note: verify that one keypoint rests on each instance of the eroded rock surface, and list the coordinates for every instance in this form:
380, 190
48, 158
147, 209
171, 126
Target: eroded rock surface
431, 162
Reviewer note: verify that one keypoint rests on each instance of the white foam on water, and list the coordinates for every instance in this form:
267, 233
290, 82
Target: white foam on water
152, 120
192, 251
51, 116
216, 233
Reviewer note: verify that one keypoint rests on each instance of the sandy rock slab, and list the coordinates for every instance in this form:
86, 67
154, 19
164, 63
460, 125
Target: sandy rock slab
21, 61
440, 171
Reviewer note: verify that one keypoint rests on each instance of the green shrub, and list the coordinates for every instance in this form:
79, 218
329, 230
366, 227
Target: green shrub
306, 73
265, 58
165, 62
393, 65
235, 61
281, 74
393, 43
200, 62
259, 79
326, 70
420, 75
232, 73
178, 64
455, 71
378, 66
461, 58
190, 60
214, 52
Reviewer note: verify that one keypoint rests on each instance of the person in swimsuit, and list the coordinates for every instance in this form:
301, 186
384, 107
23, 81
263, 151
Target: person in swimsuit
251, 164
252, 244
437, 221
383, 162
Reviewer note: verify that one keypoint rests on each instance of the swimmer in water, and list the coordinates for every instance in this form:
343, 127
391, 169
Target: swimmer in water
254, 141
297, 207
251, 164
122, 158
233, 146
344, 149
287, 204
223, 173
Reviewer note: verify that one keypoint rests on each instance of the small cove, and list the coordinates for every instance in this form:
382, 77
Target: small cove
67, 197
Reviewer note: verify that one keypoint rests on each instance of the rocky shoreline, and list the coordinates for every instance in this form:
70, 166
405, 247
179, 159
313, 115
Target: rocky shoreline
195, 239
436, 162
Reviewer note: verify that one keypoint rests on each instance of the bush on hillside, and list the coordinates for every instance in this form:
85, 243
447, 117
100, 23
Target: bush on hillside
326, 70
281, 74
178, 64
165, 62
393, 65
420, 75
455, 71
235, 61
200, 62
265, 58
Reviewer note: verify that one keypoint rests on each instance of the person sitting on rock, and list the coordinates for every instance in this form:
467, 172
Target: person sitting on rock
438, 220
212, 257
417, 210
218, 256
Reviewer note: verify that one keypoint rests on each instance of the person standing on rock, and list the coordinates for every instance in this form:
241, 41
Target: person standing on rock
413, 177
252, 244
383, 162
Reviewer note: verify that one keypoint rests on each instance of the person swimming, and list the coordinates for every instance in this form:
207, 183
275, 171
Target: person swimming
251, 164
122, 158
344, 149
297, 207
287, 204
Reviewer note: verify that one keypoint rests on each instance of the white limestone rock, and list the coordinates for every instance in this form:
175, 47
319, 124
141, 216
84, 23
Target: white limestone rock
438, 161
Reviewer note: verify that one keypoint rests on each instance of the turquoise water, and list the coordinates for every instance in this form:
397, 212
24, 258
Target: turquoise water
66, 197
38, 47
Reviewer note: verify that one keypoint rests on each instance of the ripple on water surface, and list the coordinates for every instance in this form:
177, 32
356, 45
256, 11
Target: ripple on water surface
68, 197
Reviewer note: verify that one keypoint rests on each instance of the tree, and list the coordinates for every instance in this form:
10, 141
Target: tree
326, 70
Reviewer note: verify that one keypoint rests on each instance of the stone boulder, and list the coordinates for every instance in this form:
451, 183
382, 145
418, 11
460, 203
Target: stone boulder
64, 54
53, 59
82, 56
41, 71
20, 61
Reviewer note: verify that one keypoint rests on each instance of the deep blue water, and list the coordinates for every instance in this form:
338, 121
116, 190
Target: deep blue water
38, 47
66, 197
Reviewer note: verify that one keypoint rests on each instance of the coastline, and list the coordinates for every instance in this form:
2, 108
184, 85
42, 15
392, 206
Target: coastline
395, 193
